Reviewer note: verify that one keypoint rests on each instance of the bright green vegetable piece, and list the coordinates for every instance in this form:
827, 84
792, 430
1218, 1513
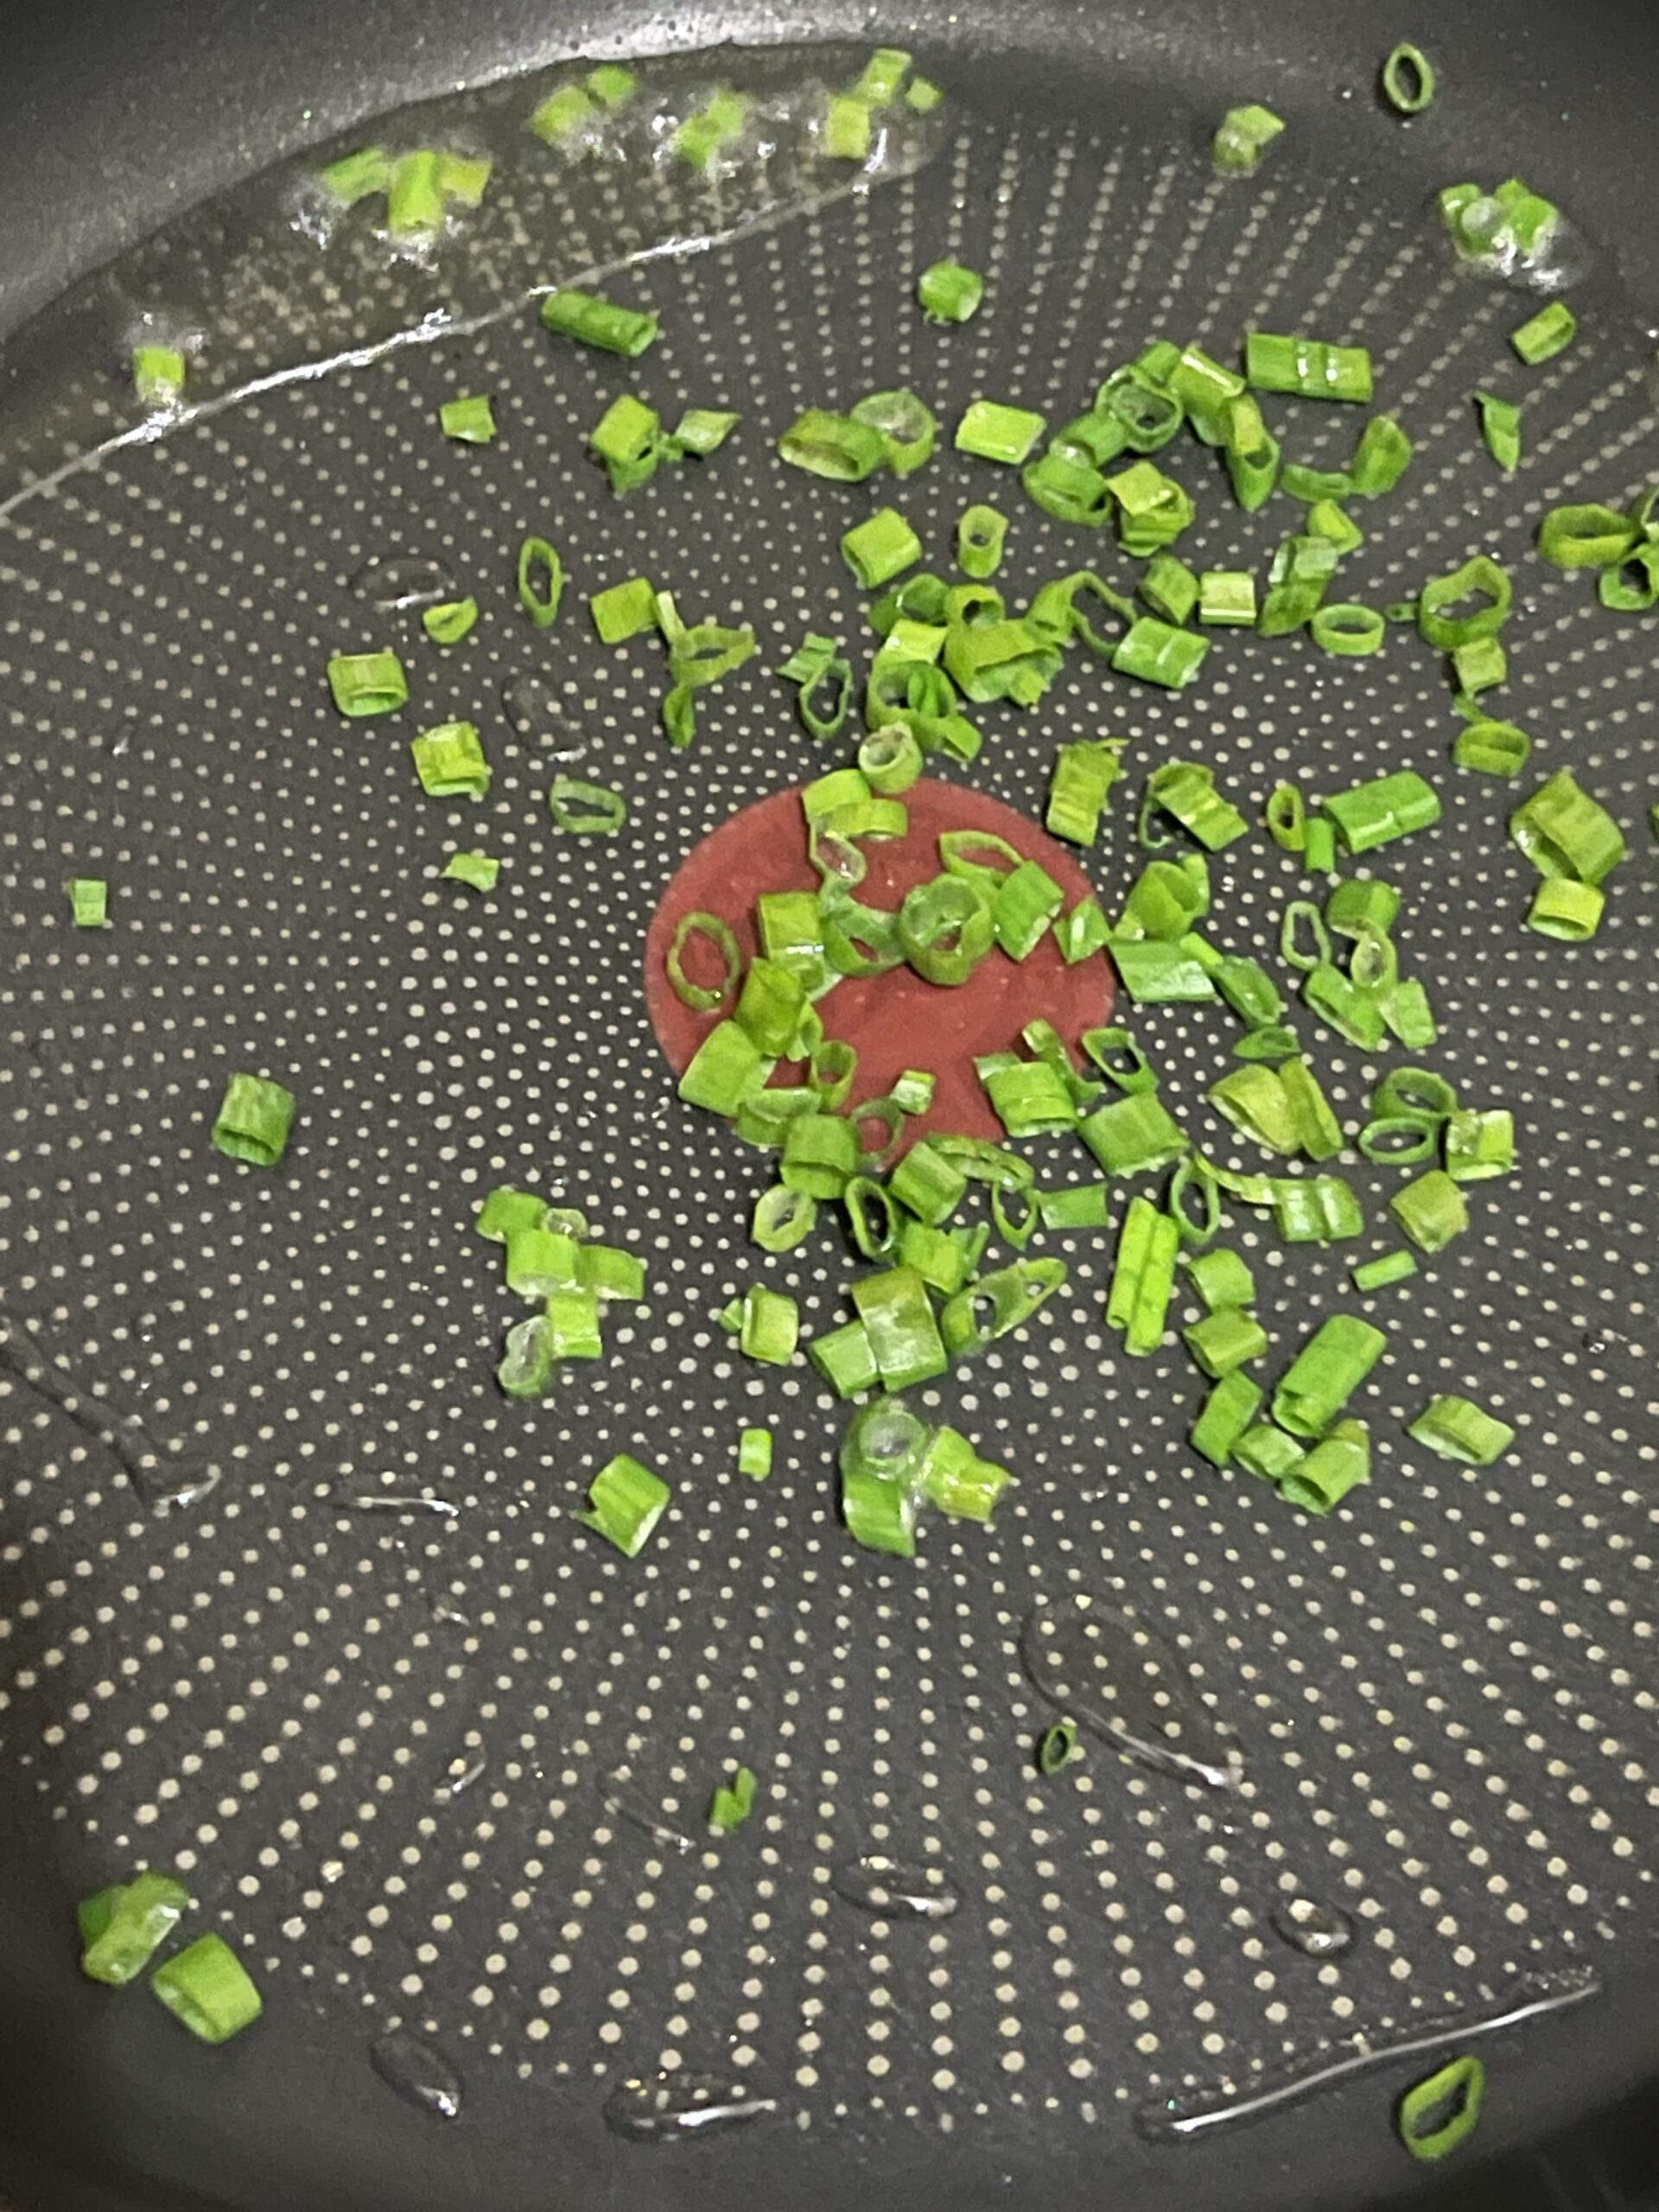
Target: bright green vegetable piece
129, 1925
254, 1120
1456, 1428
207, 1989
367, 684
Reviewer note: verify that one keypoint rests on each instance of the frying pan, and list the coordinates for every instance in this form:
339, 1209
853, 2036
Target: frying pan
1443, 1698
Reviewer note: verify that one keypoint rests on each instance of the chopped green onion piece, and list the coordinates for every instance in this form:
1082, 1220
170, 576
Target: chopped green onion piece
478, 869
929, 1183
770, 1009
1509, 227
882, 76
1479, 1144
1564, 832
1252, 1098
624, 611
1438, 2115
1266, 1451
158, 374
1351, 1011
771, 1326
1156, 973
627, 435
879, 1514
1431, 1211
713, 130
541, 581
463, 178
1241, 136
1083, 931
922, 95
995, 432
1455, 1428
945, 930
754, 1453
1133, 1135
1170, 588
1273, 1043
89, 897
1381, 458
1249, 989
415, 195
936, 1255
1632, 587
1388, 1268
1157, 652
1477, 667
586, 809
1500, 425
898, 1320
878, 549
1078, 1206
254, 1120
1302, 914
912, 1093
1143, 1277
724, 1068
1030, 1097
594, 322
833, 446
1286, 816
1185, 789
845, 1359
94, 1914
1350, 631
821, 1153
1409, 79
948, 293
470, 421
831, 1066
611, 85
1307, 367
952, 1477
703, 431
207, 1989
909, 428
1320, 846
573, 1323
704, 997
1494, 748
848, 126
446, 624
980, 535
1011, 1296
1399, 1139
1023, 909
1206, 390
505, 1211
1375, 813
1227, 596
731, 1806
1585, 537
562, 118
1546, 334
1481, 579
1325, 1373
363, 175
609, 1272
1057, 1747
890, 759
139, 1920
1252, 452
782, 1219
1320, 1210
626, 1500
1153, 509
1338, 1463
1569, 911
1225, 1340
1415, 1090
1072, 491
367, 684
1225, 1416
1221, 1279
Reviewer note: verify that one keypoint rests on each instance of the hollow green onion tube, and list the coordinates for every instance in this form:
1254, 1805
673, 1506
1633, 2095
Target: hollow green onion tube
1170, 588
1134, 1135
754, 1453
820, 1155
89, 902
1390, 806
833, 446
1225, 1340
880, 547
909, 426
1564, 832
1267, 1451
446, 624
954, 1478
945, 930
1337, 1463
208, 1990
1481, 581
1029, 1097
1192, 1174
158, 377
470, 421
1571, 912
723, 1070
979, 536
771, 1326
133, 1922
626, 1500
1322, 1209
1023, 909
481, 870
929, 1183
1157, 652
1387, 1268
1227, 1413
1186, 790
541, 581
946, 292
704, 998
254, 1120
367, 684
1585, 537
1456, 1428
586, 809
844, 1360
1325, 1373
1479, 1144
881, 1514
1492, 748
1408, 83
873, 1219
1346, 630
782, 1218
1221, 1279
594, 321
1438, 2115
898, 1320
362, 175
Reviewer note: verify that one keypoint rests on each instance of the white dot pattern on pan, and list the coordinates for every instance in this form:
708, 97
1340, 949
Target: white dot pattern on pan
1441, 1693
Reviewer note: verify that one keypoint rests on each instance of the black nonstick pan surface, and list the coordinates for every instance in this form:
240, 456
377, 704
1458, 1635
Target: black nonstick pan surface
1443, 1698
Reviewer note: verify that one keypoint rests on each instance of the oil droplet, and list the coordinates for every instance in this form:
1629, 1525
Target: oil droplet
668, 2108
443, 1611
395, 581
536, 711
1111, 1672
623, 1802
419, 2072
1318, 1931
897, 1889
412, 1501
